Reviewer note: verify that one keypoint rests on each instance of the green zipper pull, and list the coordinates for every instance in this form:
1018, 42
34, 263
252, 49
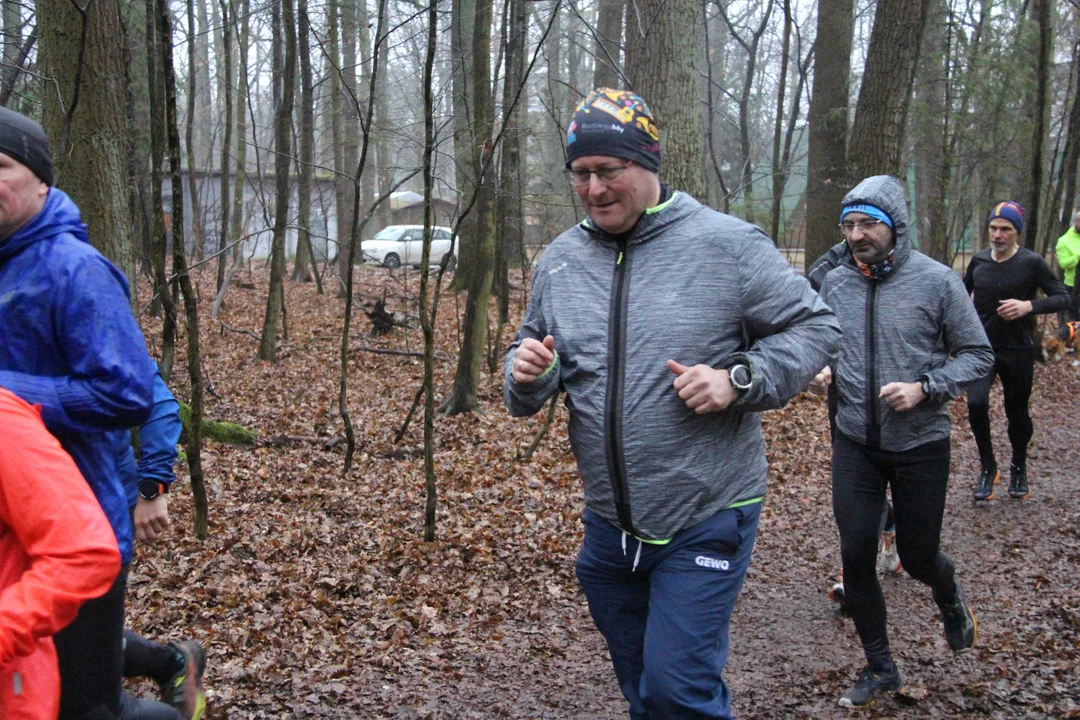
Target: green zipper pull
619, 261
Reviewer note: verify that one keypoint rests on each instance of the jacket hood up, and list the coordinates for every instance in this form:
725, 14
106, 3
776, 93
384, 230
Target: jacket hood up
887, 193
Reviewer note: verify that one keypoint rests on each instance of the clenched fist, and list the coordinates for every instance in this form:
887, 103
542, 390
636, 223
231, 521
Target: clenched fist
702, 388
532, 358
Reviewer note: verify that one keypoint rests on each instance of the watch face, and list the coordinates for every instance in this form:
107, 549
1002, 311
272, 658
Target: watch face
740, 377
148, 489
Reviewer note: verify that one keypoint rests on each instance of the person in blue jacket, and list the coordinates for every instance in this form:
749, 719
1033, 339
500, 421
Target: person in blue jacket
71, 346
177, 667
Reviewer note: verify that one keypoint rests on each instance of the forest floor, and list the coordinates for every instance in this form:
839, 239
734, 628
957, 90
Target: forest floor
316, 597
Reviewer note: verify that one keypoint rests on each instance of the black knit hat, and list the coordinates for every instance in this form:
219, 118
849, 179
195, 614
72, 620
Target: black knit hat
24, 140
614, 123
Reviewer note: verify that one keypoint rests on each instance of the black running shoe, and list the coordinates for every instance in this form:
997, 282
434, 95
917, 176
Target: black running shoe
184, 690
870, 684
961, 627
984, 486
1018, 484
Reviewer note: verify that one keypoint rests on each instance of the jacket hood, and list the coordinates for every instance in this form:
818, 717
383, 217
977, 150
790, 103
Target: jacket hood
653, 221
887, 193
59, 216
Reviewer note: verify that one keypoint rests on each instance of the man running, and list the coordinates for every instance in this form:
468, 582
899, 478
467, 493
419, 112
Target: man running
666, 368
911, 342
1003, 280
888, 557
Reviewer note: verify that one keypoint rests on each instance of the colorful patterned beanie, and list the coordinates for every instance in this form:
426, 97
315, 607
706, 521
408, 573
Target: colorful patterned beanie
614, 123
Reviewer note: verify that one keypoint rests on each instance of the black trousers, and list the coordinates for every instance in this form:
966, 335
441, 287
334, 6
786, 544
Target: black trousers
919, 480
1016, 368
90, 652
1074, 309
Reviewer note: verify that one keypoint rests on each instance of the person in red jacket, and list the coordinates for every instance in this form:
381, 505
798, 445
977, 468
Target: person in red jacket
57, 550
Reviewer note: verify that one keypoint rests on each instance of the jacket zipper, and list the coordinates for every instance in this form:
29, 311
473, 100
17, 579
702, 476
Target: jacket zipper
616, 386
873, 425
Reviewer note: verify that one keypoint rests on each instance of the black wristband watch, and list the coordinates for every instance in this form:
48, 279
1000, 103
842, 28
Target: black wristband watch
150, 489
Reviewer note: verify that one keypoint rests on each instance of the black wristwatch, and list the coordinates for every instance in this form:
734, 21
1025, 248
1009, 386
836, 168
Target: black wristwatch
150, 489
741, 377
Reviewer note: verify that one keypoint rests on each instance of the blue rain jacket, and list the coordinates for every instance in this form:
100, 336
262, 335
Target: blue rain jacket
157, 444
69, 343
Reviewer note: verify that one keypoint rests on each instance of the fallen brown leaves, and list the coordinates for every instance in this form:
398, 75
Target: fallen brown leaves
315, 596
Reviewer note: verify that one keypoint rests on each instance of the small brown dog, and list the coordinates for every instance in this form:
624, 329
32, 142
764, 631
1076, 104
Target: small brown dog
1067, 336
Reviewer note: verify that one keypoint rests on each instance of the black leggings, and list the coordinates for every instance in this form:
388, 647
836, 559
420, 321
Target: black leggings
90, 652
1016, 368
919, 479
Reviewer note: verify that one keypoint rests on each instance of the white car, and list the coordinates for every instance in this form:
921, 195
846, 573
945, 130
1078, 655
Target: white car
397, 245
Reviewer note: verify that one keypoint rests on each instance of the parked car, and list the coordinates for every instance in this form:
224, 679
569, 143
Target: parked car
397, 245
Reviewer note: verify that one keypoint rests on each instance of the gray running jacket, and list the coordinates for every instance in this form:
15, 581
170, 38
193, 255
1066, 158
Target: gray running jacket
917, 323
691, 285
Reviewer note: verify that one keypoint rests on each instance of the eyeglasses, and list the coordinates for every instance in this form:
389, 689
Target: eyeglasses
605, 175
849, 226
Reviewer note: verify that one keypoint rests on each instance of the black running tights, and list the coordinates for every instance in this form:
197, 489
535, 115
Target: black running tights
919, 479
1016, 368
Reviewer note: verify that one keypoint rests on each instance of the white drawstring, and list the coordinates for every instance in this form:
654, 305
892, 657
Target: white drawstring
637, 555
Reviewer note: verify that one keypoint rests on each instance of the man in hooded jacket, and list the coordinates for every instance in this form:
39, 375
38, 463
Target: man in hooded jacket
71, 346
911, 342
670, 326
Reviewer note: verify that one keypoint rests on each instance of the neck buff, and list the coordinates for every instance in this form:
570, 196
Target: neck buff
879, 269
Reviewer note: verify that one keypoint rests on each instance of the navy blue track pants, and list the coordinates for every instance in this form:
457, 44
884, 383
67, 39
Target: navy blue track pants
666, 621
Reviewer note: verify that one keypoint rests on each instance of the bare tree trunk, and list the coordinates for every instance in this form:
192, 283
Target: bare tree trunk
365, 96
243, 31
663, 60
877, 134
158, 243
426, 321
777, 168
724, 196
350, 112
305, 257
342, 199
282, 160
507, 220
91, 159
194, 442
931, 128
225, 89
381, 130
463, 397
826, 171
192, 161
463, 13
608, 44
1041, 113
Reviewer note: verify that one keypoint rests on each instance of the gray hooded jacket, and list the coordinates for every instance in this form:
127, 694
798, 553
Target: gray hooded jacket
915, 324
691, 285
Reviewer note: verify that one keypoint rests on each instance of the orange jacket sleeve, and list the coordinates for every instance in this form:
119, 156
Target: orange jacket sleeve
56, 547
